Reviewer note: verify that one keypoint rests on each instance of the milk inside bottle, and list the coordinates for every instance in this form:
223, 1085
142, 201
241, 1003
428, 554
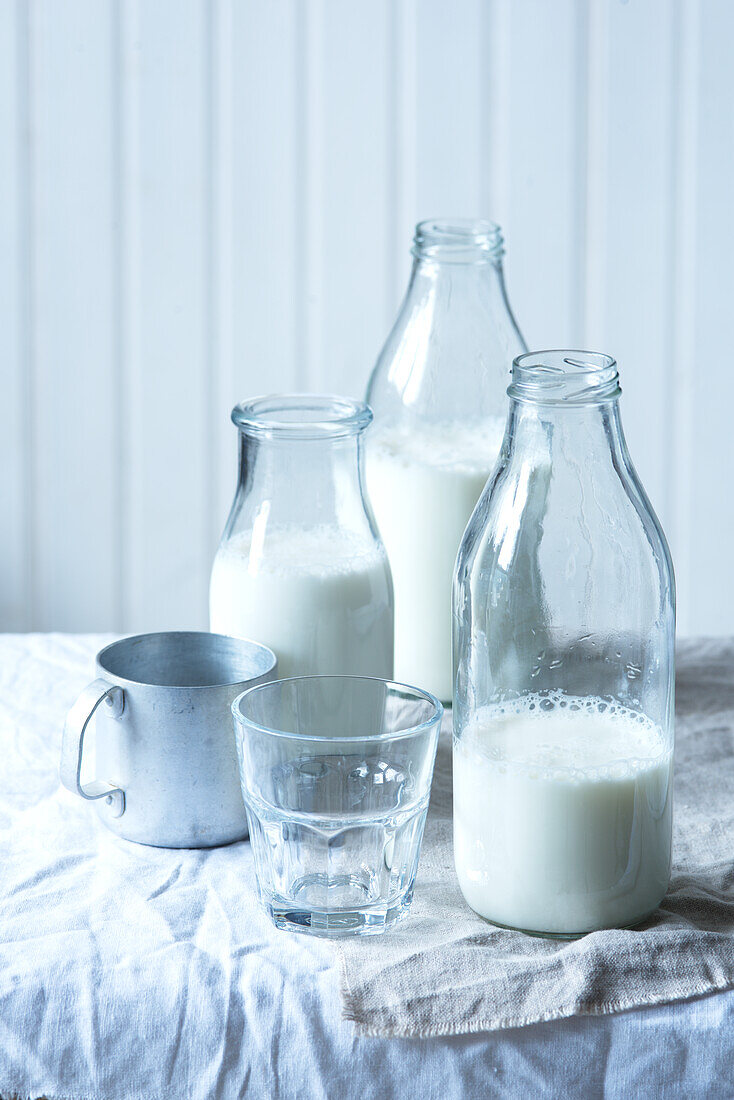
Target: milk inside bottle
301, 566
562, 814
424, 484
317, 594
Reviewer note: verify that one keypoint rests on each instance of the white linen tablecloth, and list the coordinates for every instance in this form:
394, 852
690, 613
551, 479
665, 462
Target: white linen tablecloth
448, 972
129, 972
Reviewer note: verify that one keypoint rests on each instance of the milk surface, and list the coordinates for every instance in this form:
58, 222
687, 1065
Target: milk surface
423, 485
562, 814
318, 596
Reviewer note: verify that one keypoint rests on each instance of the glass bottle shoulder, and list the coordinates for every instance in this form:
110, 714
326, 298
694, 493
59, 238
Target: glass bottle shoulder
449, 354
572, 518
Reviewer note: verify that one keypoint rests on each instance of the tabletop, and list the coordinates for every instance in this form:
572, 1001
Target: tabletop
128, 971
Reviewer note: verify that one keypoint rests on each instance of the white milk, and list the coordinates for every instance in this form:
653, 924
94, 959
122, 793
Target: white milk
319, 597
423, 487
562, 816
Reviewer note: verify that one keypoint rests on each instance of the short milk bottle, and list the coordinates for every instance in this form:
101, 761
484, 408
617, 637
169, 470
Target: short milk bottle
564, 622
301, 566
438, 392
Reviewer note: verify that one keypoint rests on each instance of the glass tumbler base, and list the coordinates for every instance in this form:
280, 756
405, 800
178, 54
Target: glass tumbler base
367, 921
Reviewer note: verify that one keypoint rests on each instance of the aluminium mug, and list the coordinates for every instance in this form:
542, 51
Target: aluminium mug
165, 763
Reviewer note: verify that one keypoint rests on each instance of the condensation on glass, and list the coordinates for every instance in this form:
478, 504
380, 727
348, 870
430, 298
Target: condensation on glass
564, 621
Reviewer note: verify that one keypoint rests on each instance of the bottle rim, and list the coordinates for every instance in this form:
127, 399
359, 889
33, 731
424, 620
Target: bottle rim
559, 376
302, 416
458, 240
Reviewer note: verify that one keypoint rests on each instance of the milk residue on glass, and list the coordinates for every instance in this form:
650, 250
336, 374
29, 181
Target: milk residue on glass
562, 813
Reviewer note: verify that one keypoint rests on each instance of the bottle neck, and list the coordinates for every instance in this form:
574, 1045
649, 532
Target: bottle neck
447, 357
460, 308
457, 285
462, 313
585, 438
564, 405
460, 241
303, 482
434, 271
309, 465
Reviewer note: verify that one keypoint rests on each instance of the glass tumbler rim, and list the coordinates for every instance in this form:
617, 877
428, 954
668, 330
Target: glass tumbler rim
374, 738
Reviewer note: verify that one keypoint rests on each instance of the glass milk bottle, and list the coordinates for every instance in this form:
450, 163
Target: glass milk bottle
438, 394
301, 566
564, 622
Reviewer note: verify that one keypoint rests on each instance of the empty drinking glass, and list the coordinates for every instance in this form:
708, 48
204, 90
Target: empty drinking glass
336, 774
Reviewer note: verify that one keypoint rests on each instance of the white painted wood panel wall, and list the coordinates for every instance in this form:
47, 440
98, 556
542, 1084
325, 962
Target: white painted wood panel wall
204, 200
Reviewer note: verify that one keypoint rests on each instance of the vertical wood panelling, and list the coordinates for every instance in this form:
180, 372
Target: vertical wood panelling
634, 154
255, 245
74, 411
403, 148
265, 194
207, 199
354, 194
225, 379
128, 264
436, 132
15, 241
449, 109
311, 170
495, 119
596, 171
543, 215
711, 529
168, 369
682, 383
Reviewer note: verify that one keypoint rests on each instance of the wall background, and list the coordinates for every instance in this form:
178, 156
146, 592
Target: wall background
204, 200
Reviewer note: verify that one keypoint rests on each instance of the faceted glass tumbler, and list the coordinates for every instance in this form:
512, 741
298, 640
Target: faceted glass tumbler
336, 775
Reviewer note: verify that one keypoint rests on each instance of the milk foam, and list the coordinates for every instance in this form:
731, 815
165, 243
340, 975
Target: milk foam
454, 445
424, 484
318, 596
562, 813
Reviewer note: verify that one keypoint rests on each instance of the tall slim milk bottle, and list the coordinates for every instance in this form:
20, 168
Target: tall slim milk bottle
301, 566
564, 625
438, 395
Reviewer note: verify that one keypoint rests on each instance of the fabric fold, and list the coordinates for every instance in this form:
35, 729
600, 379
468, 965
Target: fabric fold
444, 971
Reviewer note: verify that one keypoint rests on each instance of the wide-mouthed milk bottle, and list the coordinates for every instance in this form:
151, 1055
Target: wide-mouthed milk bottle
438, 395
301, 566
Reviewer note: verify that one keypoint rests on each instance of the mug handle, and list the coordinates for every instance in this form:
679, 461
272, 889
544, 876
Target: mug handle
72, 744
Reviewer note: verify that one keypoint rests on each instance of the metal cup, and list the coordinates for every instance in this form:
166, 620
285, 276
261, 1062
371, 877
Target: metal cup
164, 738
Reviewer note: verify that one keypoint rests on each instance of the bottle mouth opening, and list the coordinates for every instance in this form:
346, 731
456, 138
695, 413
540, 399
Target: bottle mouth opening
461, 240
302, 416
559, 377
